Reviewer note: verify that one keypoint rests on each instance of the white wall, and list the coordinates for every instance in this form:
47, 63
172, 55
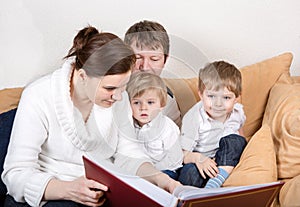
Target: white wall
35, 34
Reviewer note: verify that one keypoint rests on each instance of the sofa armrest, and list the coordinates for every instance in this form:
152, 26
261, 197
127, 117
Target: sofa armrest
9, 98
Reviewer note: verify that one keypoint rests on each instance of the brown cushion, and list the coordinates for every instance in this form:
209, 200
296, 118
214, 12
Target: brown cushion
185, 91
289, 193
9, 98
257, 163
258, 80
283, 116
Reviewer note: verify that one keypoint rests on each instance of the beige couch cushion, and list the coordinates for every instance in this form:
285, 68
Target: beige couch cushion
283, 116
185, 91
257, 163
289, 193
9, 98
258, 80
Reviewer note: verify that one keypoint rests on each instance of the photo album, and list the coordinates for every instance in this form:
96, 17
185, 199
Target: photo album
133, 191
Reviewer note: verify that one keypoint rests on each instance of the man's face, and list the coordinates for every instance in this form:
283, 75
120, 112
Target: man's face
149, 60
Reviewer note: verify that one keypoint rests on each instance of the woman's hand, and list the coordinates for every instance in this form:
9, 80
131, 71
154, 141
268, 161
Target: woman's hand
82, 190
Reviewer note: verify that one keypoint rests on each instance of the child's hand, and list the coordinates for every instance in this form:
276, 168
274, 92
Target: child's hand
167, 183
207, 166
203, 163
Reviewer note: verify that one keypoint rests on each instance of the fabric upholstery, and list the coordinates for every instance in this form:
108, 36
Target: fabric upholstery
283, 115
289, 193
257, 81
9, 98
185, 91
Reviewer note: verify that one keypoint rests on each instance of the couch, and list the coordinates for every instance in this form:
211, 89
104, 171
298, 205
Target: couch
271, 99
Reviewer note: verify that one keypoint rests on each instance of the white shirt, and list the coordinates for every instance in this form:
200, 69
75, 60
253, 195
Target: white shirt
160, 141
202, 134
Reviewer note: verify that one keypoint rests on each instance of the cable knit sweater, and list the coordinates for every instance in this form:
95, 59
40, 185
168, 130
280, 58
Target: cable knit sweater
49, 138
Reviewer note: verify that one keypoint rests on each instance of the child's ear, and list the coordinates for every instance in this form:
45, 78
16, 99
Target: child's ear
237, 99
162, 106
200, 94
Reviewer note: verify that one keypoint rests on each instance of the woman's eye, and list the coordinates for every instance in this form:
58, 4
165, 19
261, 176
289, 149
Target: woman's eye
110, 89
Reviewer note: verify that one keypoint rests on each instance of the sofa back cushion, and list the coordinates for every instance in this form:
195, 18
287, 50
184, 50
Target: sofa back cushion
283, 116
185, 91
258, 79
289, 193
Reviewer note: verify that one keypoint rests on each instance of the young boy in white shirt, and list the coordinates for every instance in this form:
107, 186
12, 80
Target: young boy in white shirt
211, 133
157, 134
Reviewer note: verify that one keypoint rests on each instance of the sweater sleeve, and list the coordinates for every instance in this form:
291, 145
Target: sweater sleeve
24, 180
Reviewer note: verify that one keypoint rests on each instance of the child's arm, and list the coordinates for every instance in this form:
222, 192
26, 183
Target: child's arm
204, 164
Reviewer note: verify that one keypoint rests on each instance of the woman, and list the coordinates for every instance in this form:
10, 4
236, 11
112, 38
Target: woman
70, 113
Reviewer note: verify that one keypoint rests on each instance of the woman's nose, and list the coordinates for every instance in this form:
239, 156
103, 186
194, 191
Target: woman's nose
117, 95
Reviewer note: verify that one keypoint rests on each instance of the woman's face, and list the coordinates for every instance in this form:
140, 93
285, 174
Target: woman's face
105, 91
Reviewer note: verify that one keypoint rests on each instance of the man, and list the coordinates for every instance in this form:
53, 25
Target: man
150, 43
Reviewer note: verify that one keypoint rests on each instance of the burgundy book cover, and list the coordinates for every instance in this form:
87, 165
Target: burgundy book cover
262, 197
119, 193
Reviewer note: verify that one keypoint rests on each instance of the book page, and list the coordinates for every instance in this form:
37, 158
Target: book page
189, 192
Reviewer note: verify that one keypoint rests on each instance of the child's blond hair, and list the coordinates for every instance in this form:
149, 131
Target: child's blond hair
140, 82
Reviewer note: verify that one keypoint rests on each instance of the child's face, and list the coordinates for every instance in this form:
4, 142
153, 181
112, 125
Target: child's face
145, 107
149, 60
218, 104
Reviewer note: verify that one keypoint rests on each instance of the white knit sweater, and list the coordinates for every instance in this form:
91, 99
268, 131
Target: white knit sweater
49, 138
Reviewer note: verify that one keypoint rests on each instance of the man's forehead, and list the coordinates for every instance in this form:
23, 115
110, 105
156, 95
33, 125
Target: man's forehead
153, 48
148, 51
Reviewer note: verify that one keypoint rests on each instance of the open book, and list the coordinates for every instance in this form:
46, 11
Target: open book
133, 191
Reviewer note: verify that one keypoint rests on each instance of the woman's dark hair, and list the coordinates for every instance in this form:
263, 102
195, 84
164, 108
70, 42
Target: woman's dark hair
100, 54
